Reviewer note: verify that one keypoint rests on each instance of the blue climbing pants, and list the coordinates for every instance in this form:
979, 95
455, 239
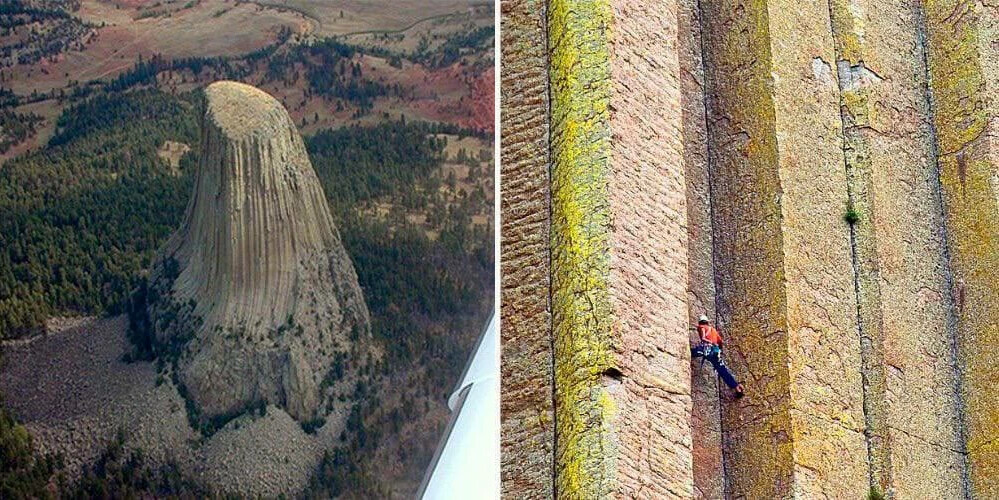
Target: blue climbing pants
713, 355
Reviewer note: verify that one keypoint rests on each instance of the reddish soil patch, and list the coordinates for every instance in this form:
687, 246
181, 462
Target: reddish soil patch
211, 28
482, 104
134, 4
471, 105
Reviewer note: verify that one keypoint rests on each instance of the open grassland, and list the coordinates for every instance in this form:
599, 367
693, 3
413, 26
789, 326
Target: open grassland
434, 69
358, 16
429, 33
209, 28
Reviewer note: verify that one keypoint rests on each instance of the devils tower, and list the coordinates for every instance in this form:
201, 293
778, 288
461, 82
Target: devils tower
254, 299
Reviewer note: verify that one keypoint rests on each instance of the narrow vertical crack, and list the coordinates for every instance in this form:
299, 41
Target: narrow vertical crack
864, 259
551, 316
705, 96
952, 319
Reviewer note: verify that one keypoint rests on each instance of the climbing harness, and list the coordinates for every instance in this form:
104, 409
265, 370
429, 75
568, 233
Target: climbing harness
706, 350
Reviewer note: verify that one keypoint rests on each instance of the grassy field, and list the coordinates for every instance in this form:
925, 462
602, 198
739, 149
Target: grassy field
433, 31
198, 31
125, 32
357, 16
49, 111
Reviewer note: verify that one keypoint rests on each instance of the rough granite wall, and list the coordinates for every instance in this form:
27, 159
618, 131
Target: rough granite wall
900, 252
824, 356
682, 186
619, 278
742, 145
579, 76
705, 425
963, 61
785, 289
527, 393
648, 268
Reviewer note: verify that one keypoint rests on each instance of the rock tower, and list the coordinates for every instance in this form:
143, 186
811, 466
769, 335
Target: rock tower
819, 177
256, 299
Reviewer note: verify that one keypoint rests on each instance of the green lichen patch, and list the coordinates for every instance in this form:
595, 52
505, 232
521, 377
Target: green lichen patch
960, 99
579, 73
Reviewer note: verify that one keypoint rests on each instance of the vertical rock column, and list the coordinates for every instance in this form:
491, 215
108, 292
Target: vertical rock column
705, 425
963, 63
255, 292
905, 310
784, 276
619, 251
528, 434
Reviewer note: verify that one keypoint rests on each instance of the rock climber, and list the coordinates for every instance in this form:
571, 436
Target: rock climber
710, 349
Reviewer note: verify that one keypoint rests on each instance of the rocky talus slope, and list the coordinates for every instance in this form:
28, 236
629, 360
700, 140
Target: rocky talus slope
255, 298
75, 394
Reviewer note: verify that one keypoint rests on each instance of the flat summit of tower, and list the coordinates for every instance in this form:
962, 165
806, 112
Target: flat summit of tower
240, 110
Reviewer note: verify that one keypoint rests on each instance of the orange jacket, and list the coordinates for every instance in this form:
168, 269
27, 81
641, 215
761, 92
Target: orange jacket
710, 334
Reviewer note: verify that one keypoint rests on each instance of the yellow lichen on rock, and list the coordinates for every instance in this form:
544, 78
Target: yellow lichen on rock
841, 325
748, 247
962, 78
581, 311
899, 252
782, 254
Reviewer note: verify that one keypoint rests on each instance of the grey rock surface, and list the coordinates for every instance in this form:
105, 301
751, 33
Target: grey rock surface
256, 293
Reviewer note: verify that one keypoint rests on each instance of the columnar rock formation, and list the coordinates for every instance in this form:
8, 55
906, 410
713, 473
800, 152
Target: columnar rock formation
817, 176
611, 372
782, 253
709, 480
528, 437
257, 298
899, 252
963, 67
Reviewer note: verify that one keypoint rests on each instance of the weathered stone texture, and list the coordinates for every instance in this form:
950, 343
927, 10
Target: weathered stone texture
964, 78
579, 76
619, 252
824, 355
259, 262
785, 293
648, 253
905, 306
844, 333
742, 146
705, 425
855, 80
527, 392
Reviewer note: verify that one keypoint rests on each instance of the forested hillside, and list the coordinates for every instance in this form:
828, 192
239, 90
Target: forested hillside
83, 217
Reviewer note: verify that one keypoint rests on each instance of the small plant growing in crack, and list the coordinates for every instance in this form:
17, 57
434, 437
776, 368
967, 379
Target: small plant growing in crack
852, 216
874, 494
